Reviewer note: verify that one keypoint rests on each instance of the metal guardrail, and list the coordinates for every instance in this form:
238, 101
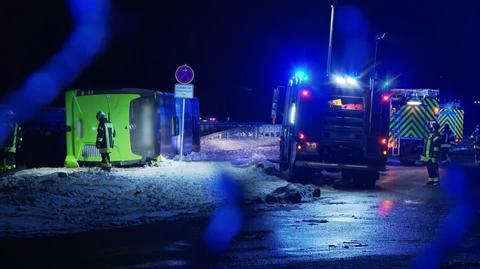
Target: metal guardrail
252, 131
210, 127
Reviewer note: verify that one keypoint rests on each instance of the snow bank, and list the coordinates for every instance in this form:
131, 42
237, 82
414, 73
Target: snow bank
39, 201
60, 200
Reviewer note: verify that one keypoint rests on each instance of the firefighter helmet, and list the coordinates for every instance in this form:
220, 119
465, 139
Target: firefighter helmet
101, 115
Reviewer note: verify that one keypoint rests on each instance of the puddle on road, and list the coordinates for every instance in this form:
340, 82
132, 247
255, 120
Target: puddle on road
413, 202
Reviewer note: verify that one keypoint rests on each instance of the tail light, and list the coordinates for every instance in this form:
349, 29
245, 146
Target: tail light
383, 141
301, 136
385, 98
305, 93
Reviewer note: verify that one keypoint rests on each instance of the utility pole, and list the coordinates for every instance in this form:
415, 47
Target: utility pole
330, 39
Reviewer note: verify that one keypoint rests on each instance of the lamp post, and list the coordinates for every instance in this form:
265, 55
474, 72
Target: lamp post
378, 38
373, 80
330, 38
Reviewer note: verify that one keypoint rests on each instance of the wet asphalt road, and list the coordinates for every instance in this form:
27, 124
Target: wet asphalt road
382, 228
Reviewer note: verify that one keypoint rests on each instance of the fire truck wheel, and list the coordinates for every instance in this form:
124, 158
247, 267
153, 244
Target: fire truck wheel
347, 177
301, 175
366, 179
297, 174
407, 162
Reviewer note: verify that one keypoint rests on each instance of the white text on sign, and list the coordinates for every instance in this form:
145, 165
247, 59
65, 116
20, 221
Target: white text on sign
184, 91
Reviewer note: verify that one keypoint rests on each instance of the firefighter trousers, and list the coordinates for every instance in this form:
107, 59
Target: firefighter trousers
7, 161
477, 156
433, 173
444, 155
106, 165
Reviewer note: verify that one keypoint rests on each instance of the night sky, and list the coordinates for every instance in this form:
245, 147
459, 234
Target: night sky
241, 50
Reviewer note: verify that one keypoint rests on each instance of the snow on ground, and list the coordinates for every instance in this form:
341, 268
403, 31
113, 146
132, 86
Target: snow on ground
60, 200
238, 149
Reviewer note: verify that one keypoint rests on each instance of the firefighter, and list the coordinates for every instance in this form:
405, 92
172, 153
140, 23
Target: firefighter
105, 140
448, 139
475, 137
11, 139
431, 152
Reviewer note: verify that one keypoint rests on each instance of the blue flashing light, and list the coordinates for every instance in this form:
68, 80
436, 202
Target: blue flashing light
302, 75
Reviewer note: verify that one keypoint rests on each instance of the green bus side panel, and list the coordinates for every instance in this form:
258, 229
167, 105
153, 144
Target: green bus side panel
453, 117
71, 160
82, 126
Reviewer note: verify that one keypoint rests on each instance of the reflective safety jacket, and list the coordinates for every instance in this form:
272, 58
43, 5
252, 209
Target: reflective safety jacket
105, 137
13, 138
476, 139
431, 148
447, 139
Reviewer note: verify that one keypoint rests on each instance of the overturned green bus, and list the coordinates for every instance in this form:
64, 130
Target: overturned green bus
146, 123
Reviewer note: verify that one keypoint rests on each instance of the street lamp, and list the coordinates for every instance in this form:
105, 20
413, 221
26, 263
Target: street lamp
378, 38
330, 38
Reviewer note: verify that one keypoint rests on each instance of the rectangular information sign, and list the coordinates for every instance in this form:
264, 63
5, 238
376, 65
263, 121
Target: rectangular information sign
184, 91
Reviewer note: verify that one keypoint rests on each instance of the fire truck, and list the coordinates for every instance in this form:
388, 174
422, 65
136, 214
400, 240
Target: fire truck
410, 112
335, 124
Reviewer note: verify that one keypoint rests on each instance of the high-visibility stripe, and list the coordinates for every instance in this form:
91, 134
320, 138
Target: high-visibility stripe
454, 118
412, 121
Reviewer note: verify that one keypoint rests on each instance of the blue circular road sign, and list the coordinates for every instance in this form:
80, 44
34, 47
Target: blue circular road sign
184, 74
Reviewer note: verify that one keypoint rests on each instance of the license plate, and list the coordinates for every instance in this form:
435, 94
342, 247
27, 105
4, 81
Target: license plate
312, 147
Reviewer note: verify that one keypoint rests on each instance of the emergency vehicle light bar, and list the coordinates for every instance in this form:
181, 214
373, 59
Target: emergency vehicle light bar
414, 103
415, 92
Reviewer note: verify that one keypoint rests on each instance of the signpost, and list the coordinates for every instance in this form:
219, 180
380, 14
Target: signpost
184, 75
